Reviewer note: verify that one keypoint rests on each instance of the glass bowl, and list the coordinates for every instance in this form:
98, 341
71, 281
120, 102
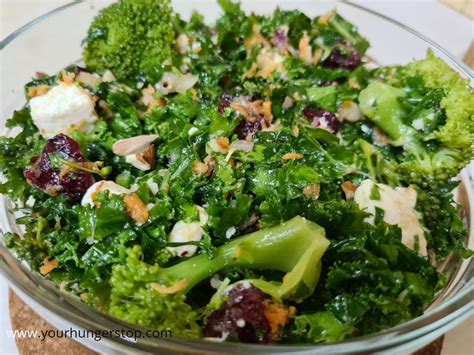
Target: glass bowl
53, 41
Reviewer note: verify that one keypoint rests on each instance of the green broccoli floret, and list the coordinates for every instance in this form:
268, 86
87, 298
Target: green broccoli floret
151, 296
133, 300
458, 100
426, 160
130, 37
445, 228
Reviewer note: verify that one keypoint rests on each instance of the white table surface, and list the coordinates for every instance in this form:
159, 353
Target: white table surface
422, 15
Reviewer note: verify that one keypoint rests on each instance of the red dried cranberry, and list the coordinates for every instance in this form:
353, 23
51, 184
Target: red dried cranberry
72, 184
322, 119
344, 56
242, 316
245, 128
78, 70
279, 38
224, 102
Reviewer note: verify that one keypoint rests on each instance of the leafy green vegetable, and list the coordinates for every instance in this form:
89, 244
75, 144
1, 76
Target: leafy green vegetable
319, 327
15, 154
109, 218
325, 97
348, 32
372, 281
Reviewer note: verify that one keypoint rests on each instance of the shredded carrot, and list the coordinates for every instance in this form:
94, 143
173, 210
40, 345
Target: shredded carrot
277, 316
292, 156
324, 20
38, 90
318, 53
304, 48
48, 266
178, 286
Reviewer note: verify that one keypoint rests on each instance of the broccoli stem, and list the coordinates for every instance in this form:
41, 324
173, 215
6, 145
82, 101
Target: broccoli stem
379, 102
294, 247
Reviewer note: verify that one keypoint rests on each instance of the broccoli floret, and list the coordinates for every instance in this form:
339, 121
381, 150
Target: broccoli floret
130, 37
446, 231
458, 100
152, 296
427, 160
133, 300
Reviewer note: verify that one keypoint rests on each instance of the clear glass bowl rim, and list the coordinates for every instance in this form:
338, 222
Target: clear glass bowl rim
436, 320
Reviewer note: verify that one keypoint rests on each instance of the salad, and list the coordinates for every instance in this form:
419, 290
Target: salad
253, 180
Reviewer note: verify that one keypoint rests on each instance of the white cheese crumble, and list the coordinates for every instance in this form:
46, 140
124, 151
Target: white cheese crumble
215, 282
399, 209
246, 284
63, 109
192, 131
153, 186
30, 202
349, 111
184, 232
230, 232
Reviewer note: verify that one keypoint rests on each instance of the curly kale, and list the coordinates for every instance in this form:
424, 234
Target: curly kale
370, 281
130, 37
15, 154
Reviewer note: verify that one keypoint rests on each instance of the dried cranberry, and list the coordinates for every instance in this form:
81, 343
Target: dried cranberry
72, 184
279, 38
344, 56
245, 128
322, 119
224, 102
78, 69
241, 316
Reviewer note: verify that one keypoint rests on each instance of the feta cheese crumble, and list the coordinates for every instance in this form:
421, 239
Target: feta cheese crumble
184, 232
63, 109
399, 208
